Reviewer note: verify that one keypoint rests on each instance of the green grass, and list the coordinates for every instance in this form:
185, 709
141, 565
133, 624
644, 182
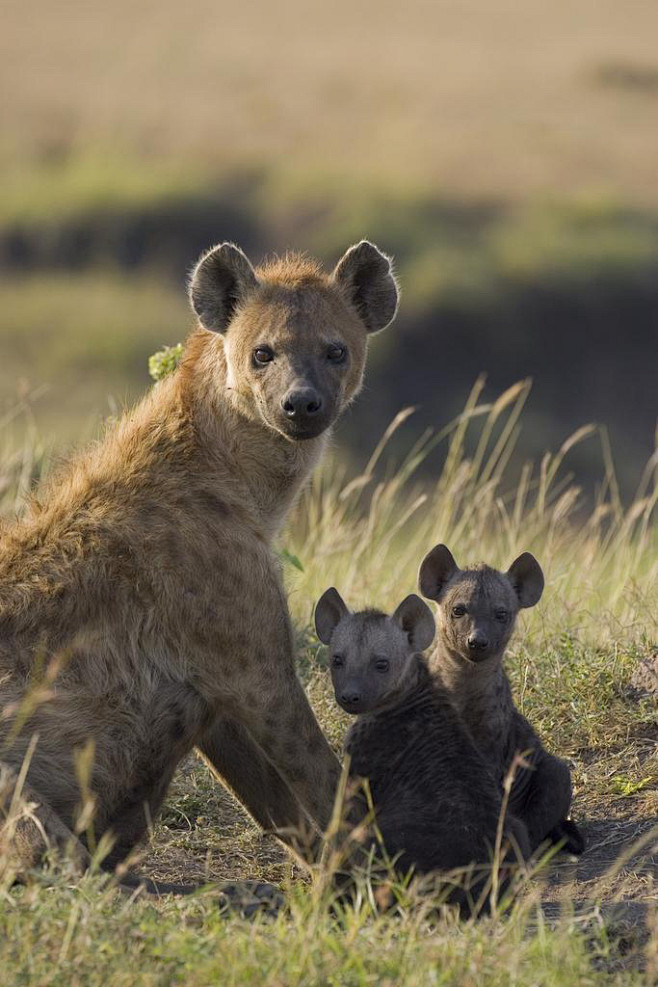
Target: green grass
92, 181
80, 345
570, 663
174, 943
370, 531
507, 285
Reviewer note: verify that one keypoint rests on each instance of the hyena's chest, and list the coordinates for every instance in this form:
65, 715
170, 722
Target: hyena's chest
489, 719
508, 749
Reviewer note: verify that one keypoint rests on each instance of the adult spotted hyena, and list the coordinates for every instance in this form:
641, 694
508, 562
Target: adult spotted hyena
142, 585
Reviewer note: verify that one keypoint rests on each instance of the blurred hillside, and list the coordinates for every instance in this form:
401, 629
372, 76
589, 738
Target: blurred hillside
504, 153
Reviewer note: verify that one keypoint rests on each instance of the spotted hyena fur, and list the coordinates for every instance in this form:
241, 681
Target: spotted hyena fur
127, 617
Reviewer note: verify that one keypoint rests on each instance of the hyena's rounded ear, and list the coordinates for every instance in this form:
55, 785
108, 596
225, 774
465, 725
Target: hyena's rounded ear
365, 275
416, 620
527, 579
329, 611
436, 570
219, 282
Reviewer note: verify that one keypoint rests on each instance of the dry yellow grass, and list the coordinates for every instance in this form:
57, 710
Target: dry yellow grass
474, 97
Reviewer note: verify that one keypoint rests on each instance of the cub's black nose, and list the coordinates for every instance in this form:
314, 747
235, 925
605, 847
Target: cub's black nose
302, 403
477, 642
350, 698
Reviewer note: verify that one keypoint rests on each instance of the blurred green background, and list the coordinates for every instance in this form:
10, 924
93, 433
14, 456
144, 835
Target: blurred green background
504, 152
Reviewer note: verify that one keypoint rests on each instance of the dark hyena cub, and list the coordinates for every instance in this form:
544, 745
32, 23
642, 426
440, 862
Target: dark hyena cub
477, 611
436, 801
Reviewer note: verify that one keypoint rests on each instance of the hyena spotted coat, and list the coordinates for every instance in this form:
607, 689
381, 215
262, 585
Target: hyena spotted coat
139, 591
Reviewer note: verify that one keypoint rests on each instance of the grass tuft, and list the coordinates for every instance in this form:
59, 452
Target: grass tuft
571, 664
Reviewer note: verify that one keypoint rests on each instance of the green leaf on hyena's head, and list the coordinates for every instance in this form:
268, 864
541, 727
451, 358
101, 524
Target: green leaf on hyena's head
165, 361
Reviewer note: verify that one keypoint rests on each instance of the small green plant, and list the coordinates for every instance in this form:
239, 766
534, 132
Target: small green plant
625, 786
165, 361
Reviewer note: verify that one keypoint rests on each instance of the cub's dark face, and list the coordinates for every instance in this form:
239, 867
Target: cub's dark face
370, 660
477, 613
478, 606
295, 339
371, 655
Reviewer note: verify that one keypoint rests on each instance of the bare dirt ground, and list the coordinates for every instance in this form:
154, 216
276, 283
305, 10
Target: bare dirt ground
206, 836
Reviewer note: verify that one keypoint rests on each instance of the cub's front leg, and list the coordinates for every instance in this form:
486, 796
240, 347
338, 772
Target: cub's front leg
544, 803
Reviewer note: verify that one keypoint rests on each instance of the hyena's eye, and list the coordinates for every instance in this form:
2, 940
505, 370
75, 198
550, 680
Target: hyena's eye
337, 661
501, 615
382, 664
336, 353
459, 610
263, 355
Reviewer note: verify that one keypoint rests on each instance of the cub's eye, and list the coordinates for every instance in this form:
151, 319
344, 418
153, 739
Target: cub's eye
382, 664
459, 610
501, 614
336, 353
263, 355
337, 661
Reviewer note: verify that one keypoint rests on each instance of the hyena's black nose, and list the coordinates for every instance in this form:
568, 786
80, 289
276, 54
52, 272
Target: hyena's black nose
477, 642
302, 403
350, 698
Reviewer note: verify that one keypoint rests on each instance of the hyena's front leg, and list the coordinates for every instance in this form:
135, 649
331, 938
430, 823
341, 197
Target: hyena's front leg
284, 726
267, 742
268, 745
275, 756
546, 804
236, 758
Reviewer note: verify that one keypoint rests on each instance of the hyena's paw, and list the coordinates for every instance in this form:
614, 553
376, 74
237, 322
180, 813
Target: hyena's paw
568, 834
249, 898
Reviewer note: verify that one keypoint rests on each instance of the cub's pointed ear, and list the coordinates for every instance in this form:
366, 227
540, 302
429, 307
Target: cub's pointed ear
365, 275
527, 579
415, 618
219, 282
329, 611
436, 570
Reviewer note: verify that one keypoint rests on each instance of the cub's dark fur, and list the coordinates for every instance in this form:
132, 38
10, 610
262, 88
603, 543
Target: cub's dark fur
436, 801
477, 610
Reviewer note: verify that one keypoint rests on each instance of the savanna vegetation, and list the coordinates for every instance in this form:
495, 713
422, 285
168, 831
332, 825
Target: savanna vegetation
504, 153
572, 666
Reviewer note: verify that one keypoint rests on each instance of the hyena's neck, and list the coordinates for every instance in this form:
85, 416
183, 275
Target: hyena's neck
273, 471
480, 693
266, 470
